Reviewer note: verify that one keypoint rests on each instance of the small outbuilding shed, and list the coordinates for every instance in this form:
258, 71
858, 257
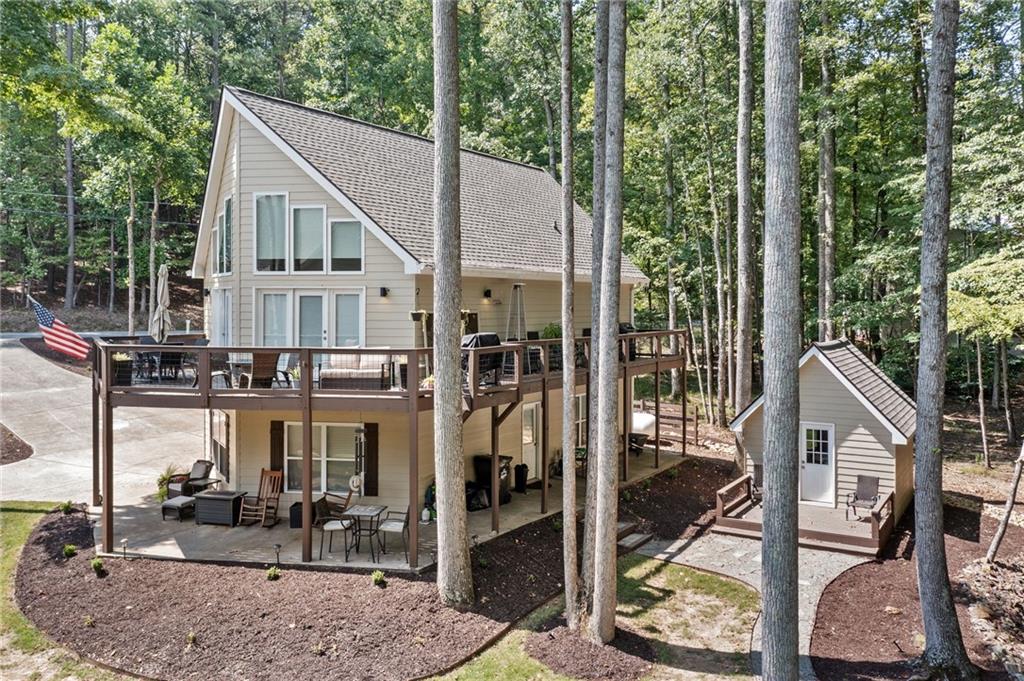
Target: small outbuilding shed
854, 420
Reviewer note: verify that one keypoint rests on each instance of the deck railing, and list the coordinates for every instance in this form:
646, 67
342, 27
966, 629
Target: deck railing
882, 518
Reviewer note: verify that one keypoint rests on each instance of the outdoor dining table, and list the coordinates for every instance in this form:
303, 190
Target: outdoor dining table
367, 521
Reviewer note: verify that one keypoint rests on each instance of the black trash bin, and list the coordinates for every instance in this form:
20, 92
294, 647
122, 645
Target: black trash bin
521, 474
482, 472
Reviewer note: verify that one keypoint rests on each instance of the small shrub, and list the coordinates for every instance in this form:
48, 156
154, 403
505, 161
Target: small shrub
273, 573
66, 507
378, 578
483, 562
673, 473
97, 566
627, 495
162, 481
70, 550
646, 484
88, 621
319, 649
556, 524
190, 639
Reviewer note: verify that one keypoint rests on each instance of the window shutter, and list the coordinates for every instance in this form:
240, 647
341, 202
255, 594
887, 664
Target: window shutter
371, 460
277, 445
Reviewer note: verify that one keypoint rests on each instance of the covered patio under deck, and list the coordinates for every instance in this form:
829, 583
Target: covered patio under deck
406, 390
147, 535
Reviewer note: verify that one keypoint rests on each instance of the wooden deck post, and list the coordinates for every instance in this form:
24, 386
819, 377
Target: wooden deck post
495, 460
696, 421
412, 386
627, 413
306, 373
96, 496
544, 438
657, 406
108, 474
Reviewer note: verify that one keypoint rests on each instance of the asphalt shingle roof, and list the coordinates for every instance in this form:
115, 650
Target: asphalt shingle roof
873, 383
509, 209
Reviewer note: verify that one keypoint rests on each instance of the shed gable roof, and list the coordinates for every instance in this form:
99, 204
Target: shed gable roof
865, 380
509, 210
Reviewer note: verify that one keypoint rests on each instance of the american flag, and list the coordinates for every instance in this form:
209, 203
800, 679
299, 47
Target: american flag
59, 335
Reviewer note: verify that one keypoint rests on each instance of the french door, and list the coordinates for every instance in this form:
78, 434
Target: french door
311, 319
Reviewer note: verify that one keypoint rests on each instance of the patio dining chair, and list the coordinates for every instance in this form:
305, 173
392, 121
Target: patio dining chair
264, 372
329, 517
196, 480
865, 497
398, 523
263, 508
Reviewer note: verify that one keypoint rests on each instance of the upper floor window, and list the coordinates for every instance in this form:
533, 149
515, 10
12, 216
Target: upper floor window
271, 232
308, 239
346, 246
222, 241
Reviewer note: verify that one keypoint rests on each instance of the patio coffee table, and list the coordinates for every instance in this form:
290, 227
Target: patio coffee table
367, 519
179, 506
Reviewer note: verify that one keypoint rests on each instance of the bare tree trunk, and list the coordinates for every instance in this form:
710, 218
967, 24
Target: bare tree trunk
744, 211
69, 182
131, 254
454, 572
944, 650
569, 554
997, 539
781, 338
153, 217
705, 330
826, 195
1011, 425
996, 383
981, 404
696, 363
601, 627
110, 297
729, 334
597, 250
549, 119
670, 231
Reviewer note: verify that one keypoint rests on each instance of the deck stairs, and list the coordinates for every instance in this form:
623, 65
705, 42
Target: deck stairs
629, 539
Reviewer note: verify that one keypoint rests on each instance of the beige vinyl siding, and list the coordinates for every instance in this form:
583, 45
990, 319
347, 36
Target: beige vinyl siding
264, 168
904, 476
228, 187
863, 445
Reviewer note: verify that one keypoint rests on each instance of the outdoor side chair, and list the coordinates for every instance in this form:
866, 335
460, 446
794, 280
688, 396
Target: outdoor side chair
865, 497
196, 480
329, 517
264, 373
263, 509
398, 523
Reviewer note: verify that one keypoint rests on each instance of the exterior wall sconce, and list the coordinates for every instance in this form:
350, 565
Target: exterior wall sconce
384, 291
487, 293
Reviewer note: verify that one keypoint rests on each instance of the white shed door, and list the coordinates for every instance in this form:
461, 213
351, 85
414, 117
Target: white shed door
817, 463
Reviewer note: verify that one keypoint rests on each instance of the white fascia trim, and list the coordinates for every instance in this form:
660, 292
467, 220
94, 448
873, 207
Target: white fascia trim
412, 265
898, 438
215, 170
536, 275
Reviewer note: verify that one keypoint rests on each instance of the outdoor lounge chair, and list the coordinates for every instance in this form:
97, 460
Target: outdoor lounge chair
865, 497
263, 508
329, 517
397, 522
264, 372
196, 480
757, 483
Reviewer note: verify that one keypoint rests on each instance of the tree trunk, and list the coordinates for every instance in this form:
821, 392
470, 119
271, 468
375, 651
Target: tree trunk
981, 404
601, 627
569, 553
549, 119
1011, 425
670, 231
113, 265
69, 182
705, 331
282, 48
781, 338
454, 575
597, 248
944, 649
696, 362
730, 355
744, 211
997, 539
153, 217
826, 195
996, 384
131, 254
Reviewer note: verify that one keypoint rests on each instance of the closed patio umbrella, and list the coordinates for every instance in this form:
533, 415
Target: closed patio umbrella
160, 323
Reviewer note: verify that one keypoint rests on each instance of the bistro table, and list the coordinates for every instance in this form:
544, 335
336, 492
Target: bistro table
367, 521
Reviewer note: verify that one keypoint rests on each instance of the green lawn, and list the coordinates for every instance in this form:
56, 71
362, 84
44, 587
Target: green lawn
25, 647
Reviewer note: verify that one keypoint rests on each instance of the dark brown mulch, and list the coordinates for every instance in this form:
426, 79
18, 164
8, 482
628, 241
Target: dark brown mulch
82, 367
12, 447
630, 656
868, 625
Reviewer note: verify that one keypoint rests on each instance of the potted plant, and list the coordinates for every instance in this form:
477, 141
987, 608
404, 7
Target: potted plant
553, 331
121, 368
427, 383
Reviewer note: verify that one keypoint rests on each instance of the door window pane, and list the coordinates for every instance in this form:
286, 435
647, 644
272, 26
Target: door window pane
270, 233
275, 321
347, 320
308, 247
346, 246
311, 321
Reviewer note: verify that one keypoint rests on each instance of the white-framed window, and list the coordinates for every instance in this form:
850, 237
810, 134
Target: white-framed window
346, 246
348, 318
271, 211
334, 455
817, 445
227, 229
581, 420
309, 236
275, 318
220, 316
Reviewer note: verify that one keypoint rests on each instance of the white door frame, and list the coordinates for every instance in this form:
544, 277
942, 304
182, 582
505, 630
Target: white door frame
831, 428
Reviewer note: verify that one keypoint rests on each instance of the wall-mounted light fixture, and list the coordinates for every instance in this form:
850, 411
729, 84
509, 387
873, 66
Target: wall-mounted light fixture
384, 291
487, 293
206, 293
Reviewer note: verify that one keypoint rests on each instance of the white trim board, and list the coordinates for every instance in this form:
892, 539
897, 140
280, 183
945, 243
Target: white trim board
898, 438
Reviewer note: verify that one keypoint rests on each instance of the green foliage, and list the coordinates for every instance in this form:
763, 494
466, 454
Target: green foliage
551, 331
377, 577
66, 507
70, 550
97, 566
191, 638
986, 296
273, 573
163, 479
88, 621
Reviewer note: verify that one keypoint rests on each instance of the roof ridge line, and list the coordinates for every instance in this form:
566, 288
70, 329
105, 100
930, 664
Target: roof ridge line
878, 370
382, 128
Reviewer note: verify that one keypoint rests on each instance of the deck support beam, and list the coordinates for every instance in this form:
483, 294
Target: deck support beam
96, 495
627, 416
108, 476
495, 460
657, 409
544, 439
306, 373
412, 379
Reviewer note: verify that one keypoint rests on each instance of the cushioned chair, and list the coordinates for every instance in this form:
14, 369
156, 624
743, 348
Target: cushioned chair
347, 371
329, 517
396, 522
196, 480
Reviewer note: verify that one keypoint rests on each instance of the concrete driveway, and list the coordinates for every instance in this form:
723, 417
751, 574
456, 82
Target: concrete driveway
51, 409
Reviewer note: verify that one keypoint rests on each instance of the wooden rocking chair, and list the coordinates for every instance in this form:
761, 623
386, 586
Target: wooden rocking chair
264, 507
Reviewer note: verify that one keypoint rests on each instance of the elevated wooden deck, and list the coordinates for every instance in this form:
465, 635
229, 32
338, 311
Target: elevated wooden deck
821, 527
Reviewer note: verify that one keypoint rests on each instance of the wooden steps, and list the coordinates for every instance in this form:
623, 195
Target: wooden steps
629, 539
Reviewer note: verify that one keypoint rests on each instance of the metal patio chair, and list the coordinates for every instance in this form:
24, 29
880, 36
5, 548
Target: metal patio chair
865, 497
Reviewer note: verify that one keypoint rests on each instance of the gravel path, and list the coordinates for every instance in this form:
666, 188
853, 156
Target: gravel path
740, 558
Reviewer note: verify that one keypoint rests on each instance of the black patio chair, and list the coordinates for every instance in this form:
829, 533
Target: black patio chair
865, 497
196, 480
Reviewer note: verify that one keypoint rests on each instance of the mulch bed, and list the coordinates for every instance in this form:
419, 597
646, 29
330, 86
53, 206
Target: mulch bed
12, 447
869, 626
82, 367
997, 612
629, 656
